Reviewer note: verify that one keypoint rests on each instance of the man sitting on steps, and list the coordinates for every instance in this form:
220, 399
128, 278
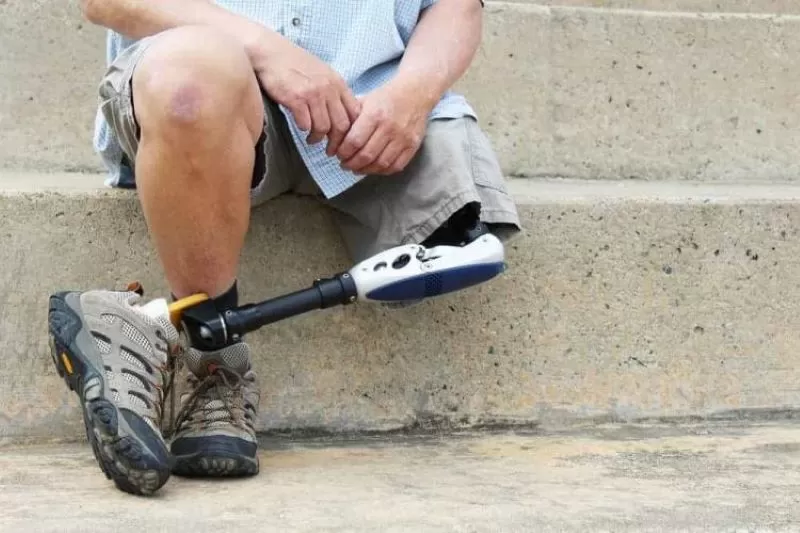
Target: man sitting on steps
209, 109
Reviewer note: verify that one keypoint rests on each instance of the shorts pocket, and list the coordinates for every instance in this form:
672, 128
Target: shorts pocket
116, 110
109, 107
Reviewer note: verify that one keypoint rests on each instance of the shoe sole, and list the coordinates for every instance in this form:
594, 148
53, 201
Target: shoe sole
136, 461
207, 464
214, 456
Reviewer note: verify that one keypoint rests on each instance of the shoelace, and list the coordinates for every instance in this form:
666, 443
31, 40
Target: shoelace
230, 381
169, 371
169, 374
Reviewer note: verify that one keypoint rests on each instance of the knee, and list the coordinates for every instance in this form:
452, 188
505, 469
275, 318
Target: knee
192, 76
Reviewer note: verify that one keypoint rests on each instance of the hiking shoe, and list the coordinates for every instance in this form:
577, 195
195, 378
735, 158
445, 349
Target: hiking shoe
114, 355
214, 429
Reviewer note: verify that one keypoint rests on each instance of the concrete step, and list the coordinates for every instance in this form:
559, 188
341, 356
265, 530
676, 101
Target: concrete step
594, 89
782, 7
624, 301
693, 478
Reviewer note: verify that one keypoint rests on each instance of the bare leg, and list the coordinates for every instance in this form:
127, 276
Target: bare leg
200, 112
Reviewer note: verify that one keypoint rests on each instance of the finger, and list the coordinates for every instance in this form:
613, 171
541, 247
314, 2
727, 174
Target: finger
385, 160
352, 105
370, 152
320, 122
340, 125
359, 134
302, 116
402, 160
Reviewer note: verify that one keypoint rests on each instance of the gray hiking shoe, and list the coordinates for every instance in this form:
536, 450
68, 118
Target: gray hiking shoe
214, 429
114, 355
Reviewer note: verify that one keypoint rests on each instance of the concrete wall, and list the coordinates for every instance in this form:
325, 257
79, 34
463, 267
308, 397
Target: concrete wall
567, 91
658, 280
622, 302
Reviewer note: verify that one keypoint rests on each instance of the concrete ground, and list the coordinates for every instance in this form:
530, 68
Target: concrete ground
609, 478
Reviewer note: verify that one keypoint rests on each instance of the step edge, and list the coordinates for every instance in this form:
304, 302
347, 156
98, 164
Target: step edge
571, 10
525, 191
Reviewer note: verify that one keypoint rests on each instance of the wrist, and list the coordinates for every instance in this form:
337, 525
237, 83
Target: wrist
260, 44
423, 94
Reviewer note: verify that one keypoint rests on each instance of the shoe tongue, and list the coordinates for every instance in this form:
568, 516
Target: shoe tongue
158, 312
236, 358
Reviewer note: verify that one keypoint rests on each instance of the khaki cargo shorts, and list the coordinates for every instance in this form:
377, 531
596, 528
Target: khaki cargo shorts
454, 166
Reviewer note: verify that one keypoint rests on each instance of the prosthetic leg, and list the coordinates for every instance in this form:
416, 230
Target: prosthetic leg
460, 254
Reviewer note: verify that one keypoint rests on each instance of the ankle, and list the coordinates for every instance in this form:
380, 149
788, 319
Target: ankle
223, 299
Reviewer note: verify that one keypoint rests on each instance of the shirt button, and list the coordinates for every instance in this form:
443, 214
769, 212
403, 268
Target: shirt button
295, 21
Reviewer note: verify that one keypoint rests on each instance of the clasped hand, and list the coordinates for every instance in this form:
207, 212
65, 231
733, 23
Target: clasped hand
377, 134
